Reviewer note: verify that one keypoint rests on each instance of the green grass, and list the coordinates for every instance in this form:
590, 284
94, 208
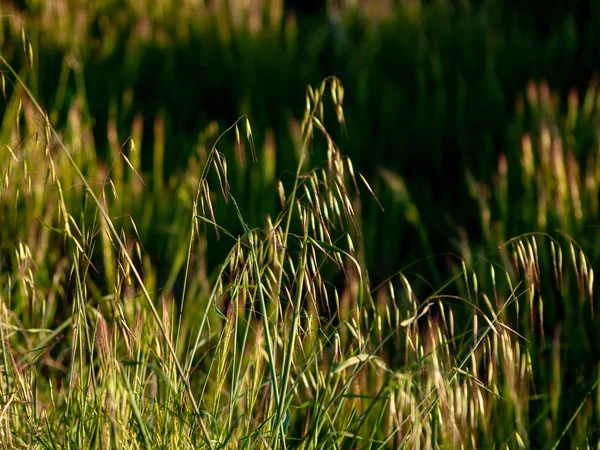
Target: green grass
431, 89
287, 343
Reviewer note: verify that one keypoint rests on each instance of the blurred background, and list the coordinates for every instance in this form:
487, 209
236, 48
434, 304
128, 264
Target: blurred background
444, 101
474, 122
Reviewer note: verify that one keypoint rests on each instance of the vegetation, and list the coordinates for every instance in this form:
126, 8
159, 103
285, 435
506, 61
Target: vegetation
431, 89
226, 301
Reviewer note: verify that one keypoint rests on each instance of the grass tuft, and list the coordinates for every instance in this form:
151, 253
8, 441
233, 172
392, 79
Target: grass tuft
287, 343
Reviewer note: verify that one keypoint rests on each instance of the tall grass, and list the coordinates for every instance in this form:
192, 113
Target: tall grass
287, 344
431, 89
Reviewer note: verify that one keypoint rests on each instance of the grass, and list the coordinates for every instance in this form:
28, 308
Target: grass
287, 343
121, 328
444, 73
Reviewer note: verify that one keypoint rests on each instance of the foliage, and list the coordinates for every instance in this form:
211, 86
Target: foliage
165, 283
431, 92
267, 352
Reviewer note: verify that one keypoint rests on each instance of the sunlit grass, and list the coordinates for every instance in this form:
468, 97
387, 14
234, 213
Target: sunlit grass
286, 344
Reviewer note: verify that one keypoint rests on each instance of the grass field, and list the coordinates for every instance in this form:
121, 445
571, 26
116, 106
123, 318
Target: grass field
118, 330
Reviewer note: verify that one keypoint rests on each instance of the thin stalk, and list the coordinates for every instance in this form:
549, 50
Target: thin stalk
292, 340
263, 307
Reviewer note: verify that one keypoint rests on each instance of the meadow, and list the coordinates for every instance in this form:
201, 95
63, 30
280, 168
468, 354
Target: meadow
274, 276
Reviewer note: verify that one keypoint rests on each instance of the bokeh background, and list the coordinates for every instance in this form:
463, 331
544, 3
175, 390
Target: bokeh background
437, 95
473, 121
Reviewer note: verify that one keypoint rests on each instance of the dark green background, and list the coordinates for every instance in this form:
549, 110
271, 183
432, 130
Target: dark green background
430, 94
